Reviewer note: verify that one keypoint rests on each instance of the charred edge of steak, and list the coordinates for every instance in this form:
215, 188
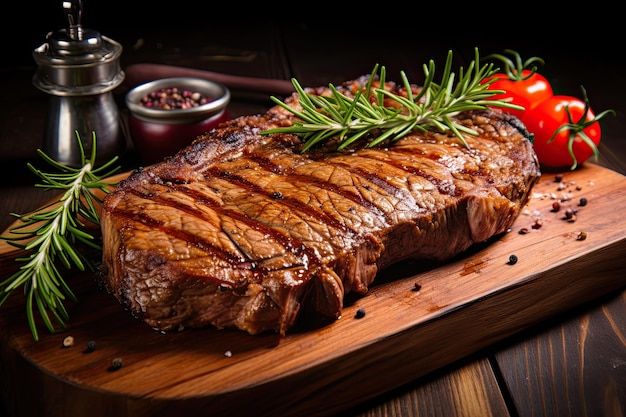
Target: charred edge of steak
242, 230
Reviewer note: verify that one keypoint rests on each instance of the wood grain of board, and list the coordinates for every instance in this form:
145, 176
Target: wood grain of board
419, 317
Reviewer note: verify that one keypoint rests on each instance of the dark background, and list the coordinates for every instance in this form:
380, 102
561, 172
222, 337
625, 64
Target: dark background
582, 33
342, 39
581, 46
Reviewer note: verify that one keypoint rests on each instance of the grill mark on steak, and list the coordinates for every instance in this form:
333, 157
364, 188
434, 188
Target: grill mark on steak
245, 261
356, 167
153, 223
279, 198
337, 235
416, 161
325, 184
268, 164
401, 194
193, 239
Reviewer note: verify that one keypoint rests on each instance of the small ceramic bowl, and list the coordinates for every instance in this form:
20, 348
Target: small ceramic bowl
158, 132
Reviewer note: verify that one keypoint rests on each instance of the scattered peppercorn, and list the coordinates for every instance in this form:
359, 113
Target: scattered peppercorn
556, 206
558, 178
416, 287
116, 364
171, 98
91, 346
360, 313
523, 231
569, 214
68, 341
512, 260
582, 202
581, 236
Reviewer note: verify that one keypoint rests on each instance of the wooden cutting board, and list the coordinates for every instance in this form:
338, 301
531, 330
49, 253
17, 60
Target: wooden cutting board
418, 318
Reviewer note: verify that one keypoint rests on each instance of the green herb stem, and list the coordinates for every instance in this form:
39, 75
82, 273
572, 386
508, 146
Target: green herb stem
362, 117
52, 235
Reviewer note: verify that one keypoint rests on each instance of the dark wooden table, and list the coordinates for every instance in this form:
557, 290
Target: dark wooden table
570, 365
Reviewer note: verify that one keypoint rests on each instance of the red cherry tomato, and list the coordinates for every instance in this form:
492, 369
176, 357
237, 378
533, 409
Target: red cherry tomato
566, 131
526, 90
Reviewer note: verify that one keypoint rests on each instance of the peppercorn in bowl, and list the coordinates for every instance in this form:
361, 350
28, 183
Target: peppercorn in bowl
165, 115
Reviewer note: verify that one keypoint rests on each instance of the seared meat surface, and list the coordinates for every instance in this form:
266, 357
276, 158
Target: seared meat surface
243, 230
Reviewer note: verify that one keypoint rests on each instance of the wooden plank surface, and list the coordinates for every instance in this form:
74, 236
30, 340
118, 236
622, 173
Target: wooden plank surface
469, 389
461, 307
573, 369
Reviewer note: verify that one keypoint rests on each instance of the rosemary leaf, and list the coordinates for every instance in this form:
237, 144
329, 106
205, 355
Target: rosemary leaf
361, 117
51, 235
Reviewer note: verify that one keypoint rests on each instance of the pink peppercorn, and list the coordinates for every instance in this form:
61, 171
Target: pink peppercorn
170, 98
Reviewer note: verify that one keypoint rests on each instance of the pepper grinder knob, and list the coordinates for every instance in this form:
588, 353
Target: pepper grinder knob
73, 10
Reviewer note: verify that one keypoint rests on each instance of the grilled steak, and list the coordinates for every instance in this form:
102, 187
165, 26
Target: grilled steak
242, 229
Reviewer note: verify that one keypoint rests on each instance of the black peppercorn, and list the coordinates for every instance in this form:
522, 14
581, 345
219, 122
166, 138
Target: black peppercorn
582, 202
91, 346
512, 260
360, 313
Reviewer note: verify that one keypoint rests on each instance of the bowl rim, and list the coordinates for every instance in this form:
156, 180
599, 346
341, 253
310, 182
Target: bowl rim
216, 90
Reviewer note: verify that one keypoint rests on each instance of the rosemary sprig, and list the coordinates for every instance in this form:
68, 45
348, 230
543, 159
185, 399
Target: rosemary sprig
366, 117
52, 234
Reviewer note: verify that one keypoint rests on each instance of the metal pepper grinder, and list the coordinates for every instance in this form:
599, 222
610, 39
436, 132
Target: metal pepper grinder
79, 68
